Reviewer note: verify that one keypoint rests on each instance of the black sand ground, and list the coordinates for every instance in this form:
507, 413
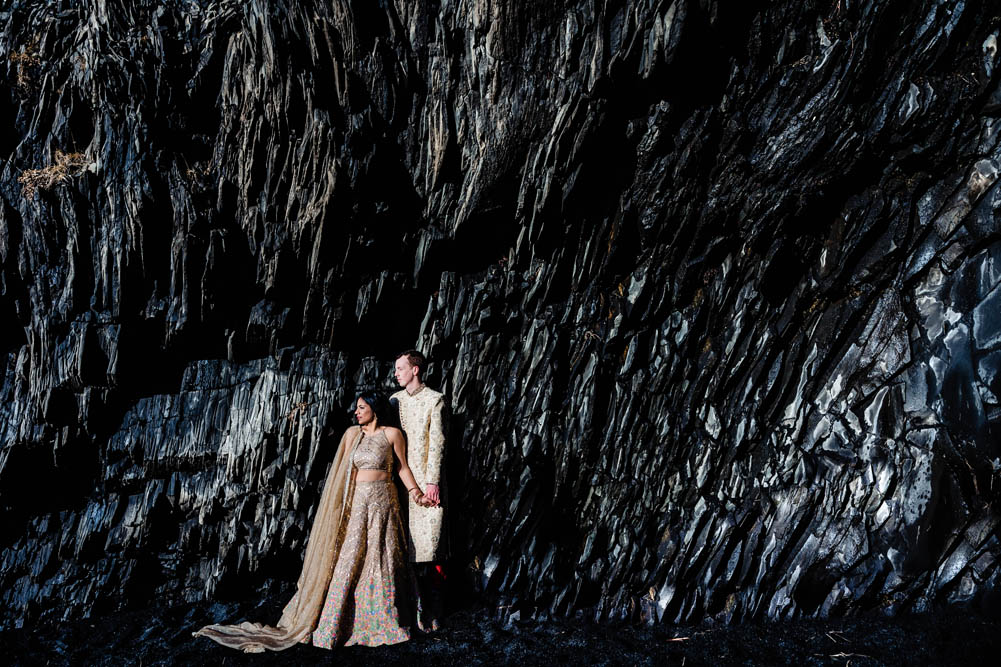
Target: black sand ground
161, 636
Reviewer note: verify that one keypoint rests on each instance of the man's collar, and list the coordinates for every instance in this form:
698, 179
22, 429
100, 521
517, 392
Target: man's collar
415, 391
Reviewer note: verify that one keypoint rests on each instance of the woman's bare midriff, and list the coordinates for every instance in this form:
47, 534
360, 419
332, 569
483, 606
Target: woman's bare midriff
371, 475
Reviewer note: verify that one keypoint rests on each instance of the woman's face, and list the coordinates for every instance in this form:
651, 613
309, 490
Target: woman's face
363, 412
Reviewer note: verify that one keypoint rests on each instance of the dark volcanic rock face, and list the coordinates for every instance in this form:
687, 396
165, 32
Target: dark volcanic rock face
714, 290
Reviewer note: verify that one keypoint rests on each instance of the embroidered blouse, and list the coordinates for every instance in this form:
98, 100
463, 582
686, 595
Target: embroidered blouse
374, 452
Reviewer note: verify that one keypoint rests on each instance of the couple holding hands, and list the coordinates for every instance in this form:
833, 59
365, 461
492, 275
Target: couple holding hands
369, 567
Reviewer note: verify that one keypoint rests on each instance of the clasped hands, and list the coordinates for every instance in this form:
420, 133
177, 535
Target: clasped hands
429, 498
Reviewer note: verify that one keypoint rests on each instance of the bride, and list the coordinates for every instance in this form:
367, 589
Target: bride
355, 586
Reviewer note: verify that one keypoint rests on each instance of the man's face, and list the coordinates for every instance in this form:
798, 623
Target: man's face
405, 371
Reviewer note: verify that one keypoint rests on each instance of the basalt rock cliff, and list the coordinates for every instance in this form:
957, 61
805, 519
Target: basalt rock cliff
713, 288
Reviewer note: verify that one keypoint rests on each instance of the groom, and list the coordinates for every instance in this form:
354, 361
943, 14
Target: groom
420, 417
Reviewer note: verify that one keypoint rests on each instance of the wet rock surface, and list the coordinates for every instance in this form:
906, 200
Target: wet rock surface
714, 292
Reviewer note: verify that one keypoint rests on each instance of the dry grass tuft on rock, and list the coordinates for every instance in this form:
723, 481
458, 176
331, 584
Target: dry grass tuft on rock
28, 66
67, 166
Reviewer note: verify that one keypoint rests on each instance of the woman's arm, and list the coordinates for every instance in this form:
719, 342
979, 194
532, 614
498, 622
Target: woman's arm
395, 438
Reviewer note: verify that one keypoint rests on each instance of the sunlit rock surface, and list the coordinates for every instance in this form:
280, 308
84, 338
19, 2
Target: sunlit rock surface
714, 290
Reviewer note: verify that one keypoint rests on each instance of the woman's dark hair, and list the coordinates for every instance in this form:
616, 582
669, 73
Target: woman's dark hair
379, 405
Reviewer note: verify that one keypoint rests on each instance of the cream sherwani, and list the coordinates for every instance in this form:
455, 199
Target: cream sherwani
420, 417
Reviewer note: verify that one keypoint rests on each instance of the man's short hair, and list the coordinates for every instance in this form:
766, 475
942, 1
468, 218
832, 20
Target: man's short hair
415, 358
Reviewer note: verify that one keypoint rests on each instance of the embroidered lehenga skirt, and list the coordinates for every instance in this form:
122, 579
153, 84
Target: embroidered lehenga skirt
371, 591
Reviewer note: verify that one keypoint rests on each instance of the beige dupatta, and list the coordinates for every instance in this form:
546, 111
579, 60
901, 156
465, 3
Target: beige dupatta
301, 614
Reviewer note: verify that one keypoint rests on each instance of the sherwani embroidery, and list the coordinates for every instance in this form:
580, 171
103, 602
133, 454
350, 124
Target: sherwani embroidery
421, 419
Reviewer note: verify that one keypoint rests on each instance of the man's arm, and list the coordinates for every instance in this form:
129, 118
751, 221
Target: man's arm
436, 452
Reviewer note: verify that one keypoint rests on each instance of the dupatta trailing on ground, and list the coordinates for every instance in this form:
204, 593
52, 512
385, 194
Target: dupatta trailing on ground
302, 612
